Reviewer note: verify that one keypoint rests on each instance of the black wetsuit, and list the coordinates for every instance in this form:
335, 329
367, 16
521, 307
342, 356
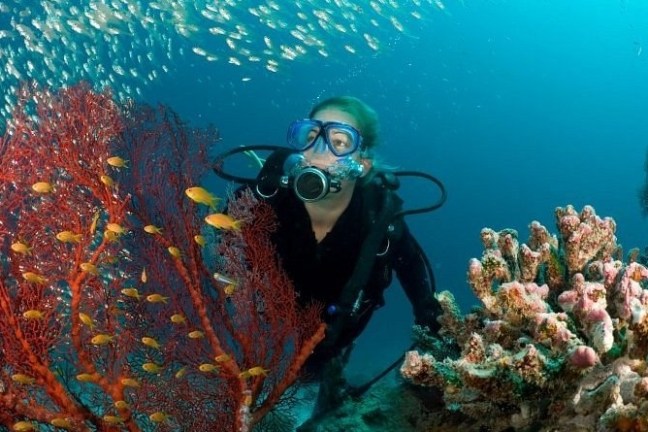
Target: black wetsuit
321, 270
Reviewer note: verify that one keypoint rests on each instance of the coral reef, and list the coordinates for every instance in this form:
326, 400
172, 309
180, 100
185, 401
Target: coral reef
111, 315
560, 340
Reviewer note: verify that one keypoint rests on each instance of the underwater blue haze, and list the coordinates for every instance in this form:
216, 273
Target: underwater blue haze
518, 106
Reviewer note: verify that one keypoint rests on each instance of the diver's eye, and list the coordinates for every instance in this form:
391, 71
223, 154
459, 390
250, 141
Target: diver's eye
340, 141
312, 135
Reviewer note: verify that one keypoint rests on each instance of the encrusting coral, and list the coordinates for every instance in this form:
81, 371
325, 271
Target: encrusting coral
560, 340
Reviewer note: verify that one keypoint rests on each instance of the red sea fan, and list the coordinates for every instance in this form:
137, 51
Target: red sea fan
110, 317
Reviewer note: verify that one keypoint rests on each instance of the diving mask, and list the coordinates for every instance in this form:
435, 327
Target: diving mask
340, 138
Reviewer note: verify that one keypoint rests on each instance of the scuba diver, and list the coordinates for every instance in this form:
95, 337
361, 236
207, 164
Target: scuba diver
341, 232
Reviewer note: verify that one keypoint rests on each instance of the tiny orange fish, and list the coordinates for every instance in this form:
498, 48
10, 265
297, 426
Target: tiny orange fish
152, 229
69, 237
21, 248
200, 240
130, 382
152, 367
178, 319
202, 196
150, 342
22, 379
42, 187
117, 162
208, 367
131, 292
223, 221
253, 372
158, 417
196, 334
156, 298
34, 278
107, 180
101, 339
174, 251
33, 314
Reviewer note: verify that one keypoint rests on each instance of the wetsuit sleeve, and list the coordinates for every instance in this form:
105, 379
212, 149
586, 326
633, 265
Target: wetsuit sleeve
409, 263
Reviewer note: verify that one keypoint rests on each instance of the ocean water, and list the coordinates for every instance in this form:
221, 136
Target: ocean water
518, 106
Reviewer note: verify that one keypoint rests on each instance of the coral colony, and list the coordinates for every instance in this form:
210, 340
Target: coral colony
110, 315
560, 339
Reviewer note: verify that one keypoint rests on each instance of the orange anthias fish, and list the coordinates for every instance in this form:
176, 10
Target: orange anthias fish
202, 196
42, 187
21, 248
152, 229
223, 221
69, 237
117, 162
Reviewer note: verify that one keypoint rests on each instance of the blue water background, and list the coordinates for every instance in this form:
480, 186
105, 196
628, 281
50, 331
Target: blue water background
517, 106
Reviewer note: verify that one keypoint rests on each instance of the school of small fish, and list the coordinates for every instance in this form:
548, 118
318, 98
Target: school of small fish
128, 44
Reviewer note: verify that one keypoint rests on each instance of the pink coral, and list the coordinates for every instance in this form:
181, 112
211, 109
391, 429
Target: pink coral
583, 357
563, 328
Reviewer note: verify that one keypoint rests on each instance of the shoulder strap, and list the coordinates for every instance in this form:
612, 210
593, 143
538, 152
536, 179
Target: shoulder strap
380, 216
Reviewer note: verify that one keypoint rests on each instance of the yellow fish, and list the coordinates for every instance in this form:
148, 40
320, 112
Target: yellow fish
23, 426
33, 314
144, 276
69, 237
130, 382
61, 422
181, 372
222, 358
34, 278
156, 298
112, 419
107, 180
174, 251
152, 229
152, 367
22, 379
223, 221
42, 187
111, 236
178, 319
116, 228
101, 339
120, 404
201, 196
86, 377
196, 334
85, 319
131, 292
95, 220
21, 248
158, 417
117, 162
200, 240
87, 267
149, 341
229, 289
207, 367
255, 371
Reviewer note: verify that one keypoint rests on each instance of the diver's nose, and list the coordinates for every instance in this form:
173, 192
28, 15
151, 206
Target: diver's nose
320, 146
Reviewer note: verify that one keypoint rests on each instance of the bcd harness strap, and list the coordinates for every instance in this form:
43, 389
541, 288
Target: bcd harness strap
353, 293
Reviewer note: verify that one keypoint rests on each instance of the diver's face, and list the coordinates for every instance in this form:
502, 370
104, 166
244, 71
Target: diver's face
323, 159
